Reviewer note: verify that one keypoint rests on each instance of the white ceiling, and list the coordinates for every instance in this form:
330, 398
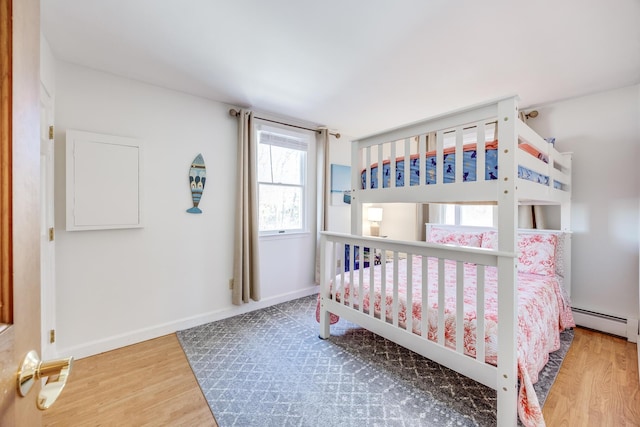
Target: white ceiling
357, 66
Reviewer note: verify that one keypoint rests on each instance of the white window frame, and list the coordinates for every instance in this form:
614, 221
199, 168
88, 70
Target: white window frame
308, 137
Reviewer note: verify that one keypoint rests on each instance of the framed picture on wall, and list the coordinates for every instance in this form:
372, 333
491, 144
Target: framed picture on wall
340, 185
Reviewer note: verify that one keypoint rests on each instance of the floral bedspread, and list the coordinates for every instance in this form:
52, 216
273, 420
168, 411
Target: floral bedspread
542, 315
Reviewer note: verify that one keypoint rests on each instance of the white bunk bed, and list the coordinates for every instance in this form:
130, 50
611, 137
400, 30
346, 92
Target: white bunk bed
507, 191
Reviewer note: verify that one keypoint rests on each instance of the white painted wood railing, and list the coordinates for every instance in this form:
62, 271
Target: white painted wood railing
334, 278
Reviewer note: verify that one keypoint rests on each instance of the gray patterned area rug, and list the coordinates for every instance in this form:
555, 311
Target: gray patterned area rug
269, 368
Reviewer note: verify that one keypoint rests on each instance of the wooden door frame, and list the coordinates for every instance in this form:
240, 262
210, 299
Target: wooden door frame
20, 198
6, 183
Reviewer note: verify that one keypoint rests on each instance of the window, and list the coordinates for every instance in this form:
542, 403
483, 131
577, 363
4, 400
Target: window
282, 180
479, 215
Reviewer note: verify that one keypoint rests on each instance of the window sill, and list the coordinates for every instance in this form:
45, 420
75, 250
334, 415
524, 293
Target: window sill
291, 235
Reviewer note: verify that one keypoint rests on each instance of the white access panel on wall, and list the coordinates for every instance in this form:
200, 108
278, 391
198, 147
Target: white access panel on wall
104, 181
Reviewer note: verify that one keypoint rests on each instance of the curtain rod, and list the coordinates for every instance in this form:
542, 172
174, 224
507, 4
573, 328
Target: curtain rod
235, 113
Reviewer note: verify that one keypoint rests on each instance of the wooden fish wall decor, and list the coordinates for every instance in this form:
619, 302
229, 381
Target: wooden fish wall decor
197, 179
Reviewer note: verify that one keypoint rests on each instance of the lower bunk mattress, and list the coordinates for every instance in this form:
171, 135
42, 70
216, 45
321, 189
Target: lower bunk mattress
542, 315
469, 172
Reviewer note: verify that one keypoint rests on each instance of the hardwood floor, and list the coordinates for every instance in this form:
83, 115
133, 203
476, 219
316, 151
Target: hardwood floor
146, 384
597, 384
151, 383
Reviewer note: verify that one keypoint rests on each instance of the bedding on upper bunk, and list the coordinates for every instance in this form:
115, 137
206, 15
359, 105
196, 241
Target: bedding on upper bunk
542, 314
449, 160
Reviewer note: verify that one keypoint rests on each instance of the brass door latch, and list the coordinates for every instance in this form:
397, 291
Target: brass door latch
33, 369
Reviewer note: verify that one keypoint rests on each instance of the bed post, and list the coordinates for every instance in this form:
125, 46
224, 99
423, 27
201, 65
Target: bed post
324, 289
356, 206
507, 277
565, 225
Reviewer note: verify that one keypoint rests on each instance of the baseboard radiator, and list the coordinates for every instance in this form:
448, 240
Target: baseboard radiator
625, 328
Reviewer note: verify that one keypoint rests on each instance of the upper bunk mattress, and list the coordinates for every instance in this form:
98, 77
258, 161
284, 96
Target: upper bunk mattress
469, 172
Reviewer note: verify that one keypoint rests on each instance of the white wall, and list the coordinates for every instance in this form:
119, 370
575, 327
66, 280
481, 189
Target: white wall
47, 67
117, 287
603, 132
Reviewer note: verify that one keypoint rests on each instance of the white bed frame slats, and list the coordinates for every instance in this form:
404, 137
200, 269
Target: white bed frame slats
506, 192
377, 151
353, 309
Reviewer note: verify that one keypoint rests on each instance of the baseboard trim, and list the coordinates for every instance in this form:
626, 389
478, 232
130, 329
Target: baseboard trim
133, 337
601, 322
632, 330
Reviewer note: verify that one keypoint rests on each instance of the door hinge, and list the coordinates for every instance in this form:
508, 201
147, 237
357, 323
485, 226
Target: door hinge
52, 336
50, 132
52, 234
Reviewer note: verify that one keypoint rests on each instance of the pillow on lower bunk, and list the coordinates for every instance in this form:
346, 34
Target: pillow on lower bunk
451, 237
536, 252
489, 240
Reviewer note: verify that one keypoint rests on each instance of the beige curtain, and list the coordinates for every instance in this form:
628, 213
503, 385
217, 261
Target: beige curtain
246, 268
531, 216
525, 216
323, 172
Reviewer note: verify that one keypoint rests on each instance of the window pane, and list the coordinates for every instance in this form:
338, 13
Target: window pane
280, 207
449, 212
264, 163
287, 165
481, 215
